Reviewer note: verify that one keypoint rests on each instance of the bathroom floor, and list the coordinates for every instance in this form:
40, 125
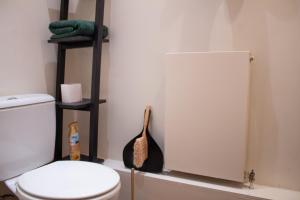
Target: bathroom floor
5, 193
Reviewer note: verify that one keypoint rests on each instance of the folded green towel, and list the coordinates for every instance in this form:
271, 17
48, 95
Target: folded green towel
69, 28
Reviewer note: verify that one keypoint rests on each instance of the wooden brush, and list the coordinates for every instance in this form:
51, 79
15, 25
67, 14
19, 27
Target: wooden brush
140, 148
132, 184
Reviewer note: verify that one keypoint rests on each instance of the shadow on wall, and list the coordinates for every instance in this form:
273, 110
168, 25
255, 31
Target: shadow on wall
234, 8
79, 70
253, 32
50, 69
180, 23
195, 19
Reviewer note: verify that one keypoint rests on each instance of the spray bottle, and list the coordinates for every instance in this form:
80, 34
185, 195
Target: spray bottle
74, 141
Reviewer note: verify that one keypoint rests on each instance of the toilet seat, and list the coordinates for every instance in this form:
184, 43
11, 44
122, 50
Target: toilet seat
69, 180
23, 195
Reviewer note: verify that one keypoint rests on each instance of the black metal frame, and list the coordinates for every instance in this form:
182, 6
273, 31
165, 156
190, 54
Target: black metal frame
92, 104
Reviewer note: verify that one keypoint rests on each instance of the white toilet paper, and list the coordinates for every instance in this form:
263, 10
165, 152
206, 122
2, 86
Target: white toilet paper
71, 93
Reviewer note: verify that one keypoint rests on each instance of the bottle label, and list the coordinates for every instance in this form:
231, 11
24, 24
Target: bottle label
74, 139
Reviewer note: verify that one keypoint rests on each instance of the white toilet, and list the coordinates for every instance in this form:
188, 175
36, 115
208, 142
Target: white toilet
27, 140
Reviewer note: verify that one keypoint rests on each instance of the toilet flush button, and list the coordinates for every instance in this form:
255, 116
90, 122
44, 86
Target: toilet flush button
12, 98
69, 180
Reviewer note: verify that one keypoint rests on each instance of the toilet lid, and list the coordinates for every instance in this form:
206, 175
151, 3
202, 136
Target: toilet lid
69, 180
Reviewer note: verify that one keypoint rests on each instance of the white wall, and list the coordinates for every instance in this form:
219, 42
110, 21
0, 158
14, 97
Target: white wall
143, 31
27, 60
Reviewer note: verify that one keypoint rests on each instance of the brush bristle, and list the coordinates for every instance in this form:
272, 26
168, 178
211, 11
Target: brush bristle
140, 151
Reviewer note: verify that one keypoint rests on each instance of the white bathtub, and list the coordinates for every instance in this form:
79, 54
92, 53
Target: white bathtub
187, 187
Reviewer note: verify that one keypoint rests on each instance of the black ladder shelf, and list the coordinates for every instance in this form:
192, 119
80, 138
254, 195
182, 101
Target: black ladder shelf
92, 104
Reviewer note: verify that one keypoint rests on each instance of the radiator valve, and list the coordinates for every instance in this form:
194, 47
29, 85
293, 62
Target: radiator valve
251, 179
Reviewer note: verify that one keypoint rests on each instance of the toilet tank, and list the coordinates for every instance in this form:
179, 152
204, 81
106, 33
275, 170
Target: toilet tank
27, 133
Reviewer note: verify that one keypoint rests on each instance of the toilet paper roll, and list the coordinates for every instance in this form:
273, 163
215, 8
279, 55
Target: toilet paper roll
71, 93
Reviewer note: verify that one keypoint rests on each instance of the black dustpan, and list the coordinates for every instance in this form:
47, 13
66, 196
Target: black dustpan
155, 160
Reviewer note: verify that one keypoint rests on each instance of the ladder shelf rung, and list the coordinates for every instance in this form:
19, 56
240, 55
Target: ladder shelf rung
84, 105
85, 158
72, 39
76, 42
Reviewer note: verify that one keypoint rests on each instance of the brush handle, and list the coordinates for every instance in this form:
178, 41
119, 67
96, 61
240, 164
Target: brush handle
146, 119
132, 184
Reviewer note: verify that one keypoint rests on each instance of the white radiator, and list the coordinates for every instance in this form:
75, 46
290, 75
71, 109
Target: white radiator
206, 113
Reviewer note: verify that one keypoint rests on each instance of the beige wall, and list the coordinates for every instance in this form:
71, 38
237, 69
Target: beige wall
27, 61
141, 33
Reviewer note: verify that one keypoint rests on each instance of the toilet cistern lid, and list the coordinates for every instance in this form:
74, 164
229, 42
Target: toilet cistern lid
69, 180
